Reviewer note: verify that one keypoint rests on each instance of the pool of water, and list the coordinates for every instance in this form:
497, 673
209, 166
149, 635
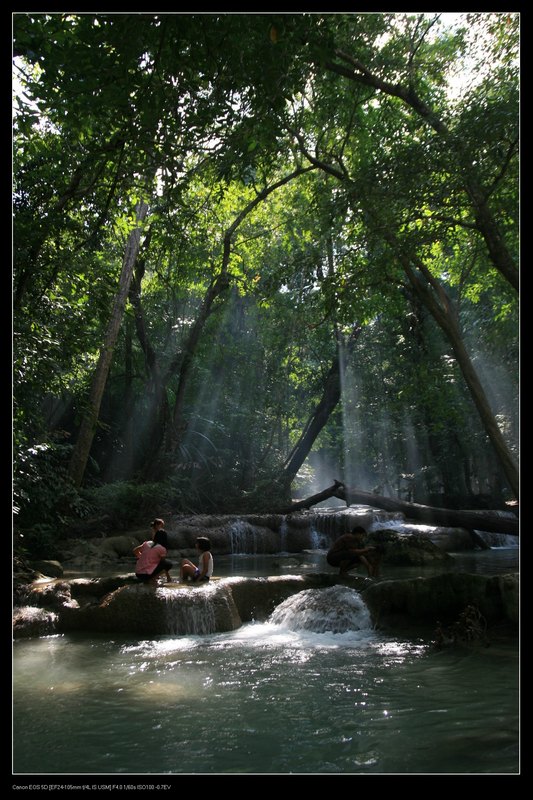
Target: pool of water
495, 561
264, 700
269, 698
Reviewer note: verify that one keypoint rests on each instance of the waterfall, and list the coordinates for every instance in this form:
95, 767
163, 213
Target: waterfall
243, 538
498, 539
336, 609
190, 611
319, 541
283, 529
333, 523
199, 610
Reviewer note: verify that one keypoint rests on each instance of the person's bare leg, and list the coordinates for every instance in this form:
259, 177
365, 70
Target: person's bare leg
187, 569
368, 566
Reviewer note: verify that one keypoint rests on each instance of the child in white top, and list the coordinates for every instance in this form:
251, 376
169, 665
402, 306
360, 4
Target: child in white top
204, 570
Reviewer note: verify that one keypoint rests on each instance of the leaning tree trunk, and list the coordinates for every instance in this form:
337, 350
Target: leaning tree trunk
433, 300
330, 398
82, 448
437, 302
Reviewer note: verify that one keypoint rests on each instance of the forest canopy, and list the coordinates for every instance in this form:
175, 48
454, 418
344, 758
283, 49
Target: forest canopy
254, 253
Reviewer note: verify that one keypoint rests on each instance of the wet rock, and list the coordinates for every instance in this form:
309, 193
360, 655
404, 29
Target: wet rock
118, 545
442, 598
99, 587
509, 586
406, 549
53, 595
448, 539
228, 534
122, 605
151, 611
256, 598
23, 573
51, 569
30, 621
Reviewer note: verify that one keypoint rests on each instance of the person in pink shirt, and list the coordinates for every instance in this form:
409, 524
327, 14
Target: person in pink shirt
151, 558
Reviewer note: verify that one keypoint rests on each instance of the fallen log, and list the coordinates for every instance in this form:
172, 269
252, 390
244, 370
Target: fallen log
489, 521
299, 505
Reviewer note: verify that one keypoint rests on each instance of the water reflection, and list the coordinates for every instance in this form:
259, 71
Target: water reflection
269, 698
495, 561
263, 699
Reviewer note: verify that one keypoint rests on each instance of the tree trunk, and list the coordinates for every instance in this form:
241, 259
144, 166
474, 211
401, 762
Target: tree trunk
84, 442
157, 414
470, 520
187, 354
185, 359
489, 521
477, 195
308, 502
330, 397
438, 303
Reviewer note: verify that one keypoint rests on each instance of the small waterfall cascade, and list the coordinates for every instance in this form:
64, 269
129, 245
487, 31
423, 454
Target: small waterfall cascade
336, 609
190, 611
319, 541
243, 537
332, 523
499, 539
283, 531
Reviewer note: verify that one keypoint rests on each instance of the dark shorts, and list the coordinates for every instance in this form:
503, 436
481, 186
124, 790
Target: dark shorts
335, 559
163, 565
196, 576
143, 576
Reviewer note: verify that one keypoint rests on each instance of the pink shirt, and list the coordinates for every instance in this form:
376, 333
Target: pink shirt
149, 558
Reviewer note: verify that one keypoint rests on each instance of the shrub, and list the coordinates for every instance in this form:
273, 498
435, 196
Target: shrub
126, 502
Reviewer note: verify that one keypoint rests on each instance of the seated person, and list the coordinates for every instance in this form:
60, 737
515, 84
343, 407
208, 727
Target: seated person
349, 550
151, 558
204, 570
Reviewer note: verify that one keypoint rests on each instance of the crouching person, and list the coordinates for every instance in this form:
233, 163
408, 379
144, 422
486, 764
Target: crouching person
349, 550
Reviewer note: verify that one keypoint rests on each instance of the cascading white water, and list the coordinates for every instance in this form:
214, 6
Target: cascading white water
498, 539
336, 609
283, 530
319, 541
243, 538
190, 611
332, 523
